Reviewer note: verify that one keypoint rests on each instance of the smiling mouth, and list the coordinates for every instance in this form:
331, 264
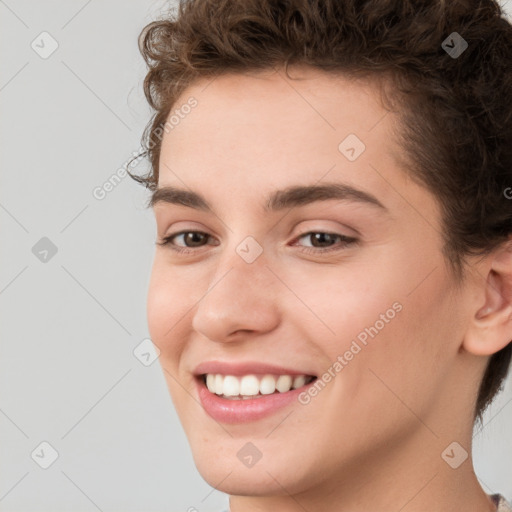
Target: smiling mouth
253, 386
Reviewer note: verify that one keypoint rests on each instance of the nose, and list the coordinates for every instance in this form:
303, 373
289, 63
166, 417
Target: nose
242, 300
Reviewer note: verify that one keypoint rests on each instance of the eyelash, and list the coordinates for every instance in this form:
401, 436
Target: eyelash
346, 241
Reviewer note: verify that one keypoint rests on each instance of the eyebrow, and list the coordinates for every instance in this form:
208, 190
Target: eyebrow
290, 197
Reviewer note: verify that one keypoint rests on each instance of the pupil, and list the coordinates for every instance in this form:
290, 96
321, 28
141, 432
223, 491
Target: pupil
190, 237
320, 236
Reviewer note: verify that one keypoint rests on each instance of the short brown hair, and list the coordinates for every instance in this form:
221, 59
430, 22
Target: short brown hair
456, 110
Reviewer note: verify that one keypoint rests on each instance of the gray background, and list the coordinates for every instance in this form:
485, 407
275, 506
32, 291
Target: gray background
70, 324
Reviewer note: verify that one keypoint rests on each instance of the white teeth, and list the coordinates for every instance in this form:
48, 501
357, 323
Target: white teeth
299, 381
231, 386
284, 383
218, 383
251, 386
267, 385
210, 382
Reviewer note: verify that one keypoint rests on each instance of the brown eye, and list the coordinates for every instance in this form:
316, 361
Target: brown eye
320, 238
191, 239
322, 242
194, 238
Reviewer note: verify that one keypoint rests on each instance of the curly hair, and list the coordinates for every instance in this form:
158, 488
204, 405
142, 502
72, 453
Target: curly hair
455, 110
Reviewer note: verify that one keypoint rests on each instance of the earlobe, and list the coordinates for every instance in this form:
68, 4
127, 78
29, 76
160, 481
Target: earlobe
490, 327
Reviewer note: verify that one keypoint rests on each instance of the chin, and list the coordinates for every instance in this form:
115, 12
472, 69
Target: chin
246, 482
222, 470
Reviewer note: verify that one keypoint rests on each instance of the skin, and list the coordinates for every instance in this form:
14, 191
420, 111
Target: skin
373, 437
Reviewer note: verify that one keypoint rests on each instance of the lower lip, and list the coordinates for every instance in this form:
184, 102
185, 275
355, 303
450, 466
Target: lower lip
242, 411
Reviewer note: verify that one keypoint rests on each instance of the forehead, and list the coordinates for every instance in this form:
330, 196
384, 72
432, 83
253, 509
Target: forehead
264, 131
271, 99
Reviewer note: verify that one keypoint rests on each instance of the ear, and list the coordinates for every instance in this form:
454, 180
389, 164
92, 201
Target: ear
490, 327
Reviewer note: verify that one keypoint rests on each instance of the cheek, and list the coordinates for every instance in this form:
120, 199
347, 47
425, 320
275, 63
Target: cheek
393, 337
406, 361
348, 305
157, 312
166, 310
167, 324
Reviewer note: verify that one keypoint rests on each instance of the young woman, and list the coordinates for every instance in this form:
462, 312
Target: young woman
331, 290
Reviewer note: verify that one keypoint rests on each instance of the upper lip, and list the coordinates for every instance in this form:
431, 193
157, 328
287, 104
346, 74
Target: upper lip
245, 368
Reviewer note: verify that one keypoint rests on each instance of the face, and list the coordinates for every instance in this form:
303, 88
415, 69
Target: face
345, 284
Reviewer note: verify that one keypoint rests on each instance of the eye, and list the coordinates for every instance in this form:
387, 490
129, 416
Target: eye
196, 239
321, 237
